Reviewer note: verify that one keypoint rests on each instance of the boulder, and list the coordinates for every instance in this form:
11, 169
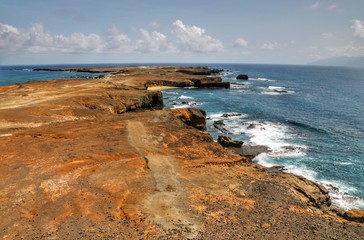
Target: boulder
355, 215
251, 152
193, 117
220, 125
242, 77
276, 169
226, 141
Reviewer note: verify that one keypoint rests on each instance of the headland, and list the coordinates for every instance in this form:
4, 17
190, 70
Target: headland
101, 159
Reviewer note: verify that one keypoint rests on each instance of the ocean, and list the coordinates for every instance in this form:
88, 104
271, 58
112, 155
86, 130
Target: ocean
310, 117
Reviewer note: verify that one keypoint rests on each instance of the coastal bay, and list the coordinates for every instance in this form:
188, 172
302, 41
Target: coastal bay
100, 158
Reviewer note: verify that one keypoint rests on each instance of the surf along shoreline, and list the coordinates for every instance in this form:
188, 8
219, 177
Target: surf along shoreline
50, 115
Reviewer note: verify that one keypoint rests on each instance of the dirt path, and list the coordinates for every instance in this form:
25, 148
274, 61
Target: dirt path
167, 205
27, 96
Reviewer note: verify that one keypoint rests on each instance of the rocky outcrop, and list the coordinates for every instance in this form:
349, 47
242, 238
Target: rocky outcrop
210, 82
191, 116
242, 77
200, 71
312, 193
251, 151
220, 125
356, 215
226, 141
201, 82
169, 83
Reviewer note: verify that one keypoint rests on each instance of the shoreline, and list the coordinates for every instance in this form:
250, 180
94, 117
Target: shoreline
103, 153
292, 149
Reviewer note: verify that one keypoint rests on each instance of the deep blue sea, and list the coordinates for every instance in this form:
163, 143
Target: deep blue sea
311, 118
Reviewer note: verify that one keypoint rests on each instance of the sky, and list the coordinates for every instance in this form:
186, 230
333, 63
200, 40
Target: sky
176, 31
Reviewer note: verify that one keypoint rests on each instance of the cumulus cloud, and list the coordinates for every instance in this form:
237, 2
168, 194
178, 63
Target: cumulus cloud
358, 27
240, 42
37, 40
270, 46
117, 41
9, 37
195, 39
153, 42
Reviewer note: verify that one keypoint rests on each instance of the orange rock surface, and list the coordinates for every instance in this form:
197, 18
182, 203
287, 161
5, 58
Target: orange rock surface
99, 159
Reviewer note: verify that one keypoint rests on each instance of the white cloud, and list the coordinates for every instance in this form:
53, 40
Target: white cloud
240, 42
270, 46
37, 40
4, 28
327, 35
195, 39
153, 42
358, 27
10, 38
315, 5
117, 41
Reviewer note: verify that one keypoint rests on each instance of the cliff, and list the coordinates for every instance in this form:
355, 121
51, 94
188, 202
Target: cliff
100, 159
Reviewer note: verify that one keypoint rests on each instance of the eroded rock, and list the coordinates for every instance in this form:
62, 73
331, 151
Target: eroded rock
192, 116
226, 141
355, 215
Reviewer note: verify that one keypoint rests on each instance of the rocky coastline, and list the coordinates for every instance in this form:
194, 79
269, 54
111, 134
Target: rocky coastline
101, 159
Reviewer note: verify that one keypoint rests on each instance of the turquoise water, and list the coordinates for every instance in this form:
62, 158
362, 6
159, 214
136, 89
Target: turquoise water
312, 118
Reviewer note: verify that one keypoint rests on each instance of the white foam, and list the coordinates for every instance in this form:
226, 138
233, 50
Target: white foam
339, 192
230, 115
170, 92
264, 160
185, 97
276, 90
340, 195
274, 136
302, 171
236, 86
262, 79
185, 105
345, 163
277, 93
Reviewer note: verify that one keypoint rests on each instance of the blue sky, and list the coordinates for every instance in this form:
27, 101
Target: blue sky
132, 31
